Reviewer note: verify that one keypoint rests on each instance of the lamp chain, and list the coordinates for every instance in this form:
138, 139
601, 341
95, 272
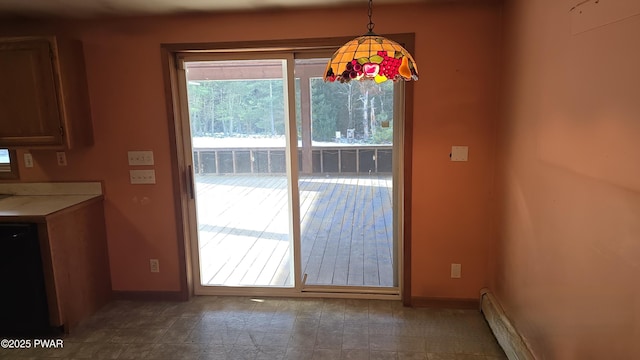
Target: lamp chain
371, 24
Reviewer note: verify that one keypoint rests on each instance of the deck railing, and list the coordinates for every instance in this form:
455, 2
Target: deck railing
351, 159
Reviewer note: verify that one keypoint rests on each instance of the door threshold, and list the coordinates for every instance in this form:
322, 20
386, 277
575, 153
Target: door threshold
308, 292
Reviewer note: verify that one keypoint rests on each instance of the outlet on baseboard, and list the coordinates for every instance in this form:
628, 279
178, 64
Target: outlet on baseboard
456, 271
154, 265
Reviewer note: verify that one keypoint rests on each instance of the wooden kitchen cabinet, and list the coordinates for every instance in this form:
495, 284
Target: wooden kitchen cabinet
74, 255
44, 101
76, 263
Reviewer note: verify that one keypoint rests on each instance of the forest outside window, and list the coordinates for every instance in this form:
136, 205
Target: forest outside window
8, 164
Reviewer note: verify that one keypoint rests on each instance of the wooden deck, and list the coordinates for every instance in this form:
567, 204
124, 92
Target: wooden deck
346, 226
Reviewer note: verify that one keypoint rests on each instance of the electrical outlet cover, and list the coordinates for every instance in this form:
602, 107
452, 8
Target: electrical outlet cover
459, 153
456, 271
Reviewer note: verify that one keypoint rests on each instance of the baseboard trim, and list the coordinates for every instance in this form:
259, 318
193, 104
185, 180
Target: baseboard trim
444, 303
150, 295
510, 340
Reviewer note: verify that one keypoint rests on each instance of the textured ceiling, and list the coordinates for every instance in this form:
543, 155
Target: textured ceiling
94, 8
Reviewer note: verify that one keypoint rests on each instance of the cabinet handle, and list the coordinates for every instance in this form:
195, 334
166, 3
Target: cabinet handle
191, 184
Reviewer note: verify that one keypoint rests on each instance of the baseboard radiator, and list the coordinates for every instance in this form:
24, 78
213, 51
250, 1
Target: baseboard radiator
508, 337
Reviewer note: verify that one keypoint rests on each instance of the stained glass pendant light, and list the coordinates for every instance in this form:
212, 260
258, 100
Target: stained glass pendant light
371, 57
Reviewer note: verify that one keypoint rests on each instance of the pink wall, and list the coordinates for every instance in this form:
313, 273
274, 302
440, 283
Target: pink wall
455, 104
570, 178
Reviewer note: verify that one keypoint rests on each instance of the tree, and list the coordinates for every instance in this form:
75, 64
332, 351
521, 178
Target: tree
256, 108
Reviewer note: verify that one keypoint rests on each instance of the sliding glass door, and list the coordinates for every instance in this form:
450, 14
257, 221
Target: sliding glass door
293, 177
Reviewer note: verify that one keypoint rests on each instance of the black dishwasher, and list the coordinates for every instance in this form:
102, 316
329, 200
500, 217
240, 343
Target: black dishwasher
23, 303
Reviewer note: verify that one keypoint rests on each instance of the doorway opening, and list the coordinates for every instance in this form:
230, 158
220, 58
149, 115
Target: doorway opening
296, 183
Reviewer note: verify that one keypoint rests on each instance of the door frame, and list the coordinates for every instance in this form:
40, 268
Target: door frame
183, 182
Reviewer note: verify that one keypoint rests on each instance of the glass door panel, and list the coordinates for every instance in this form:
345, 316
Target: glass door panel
238, 117
345, 182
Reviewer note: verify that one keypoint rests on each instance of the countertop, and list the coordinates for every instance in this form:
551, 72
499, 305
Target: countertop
39, 205
42, 199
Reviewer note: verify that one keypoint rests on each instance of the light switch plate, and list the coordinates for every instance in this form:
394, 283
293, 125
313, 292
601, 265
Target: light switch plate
28, 160
154, 265
140, 157
459, 153
62, 158
142, 176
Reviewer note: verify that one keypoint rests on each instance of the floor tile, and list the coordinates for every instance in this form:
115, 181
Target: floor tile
441, 356
238, 328
355, 354
408, 355
298, 341
355, 341
383, 343
276, 339
326, 354
298, 354
215, 352
383, 355
136, 351
271, 353
98, 351
410, 344
241, 352
177, 351
329, 340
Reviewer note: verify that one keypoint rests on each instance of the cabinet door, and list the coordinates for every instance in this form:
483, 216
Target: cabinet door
29, 108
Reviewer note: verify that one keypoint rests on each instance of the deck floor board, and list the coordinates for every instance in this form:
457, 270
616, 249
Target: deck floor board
346, 230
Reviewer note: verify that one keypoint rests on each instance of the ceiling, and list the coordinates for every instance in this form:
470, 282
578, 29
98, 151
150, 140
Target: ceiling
96, 8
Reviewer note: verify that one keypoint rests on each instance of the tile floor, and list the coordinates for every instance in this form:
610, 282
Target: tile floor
238, 328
